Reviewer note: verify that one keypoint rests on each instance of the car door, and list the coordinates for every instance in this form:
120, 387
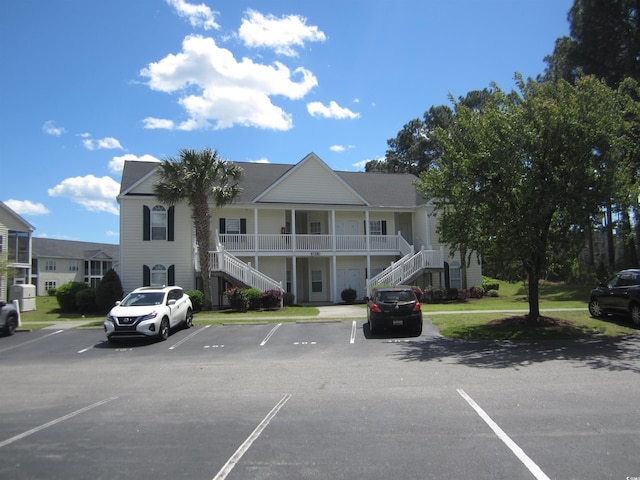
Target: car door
608, 290
619, 296
177, 309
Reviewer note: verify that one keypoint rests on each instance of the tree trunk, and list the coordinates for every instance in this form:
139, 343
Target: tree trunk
611, 252
534, 296
202, 223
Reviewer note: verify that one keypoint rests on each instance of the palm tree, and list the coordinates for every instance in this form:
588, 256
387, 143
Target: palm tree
199, 177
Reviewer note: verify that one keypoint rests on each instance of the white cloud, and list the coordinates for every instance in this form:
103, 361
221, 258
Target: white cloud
198, 15
281, 34
104, 143
111, 233
50, 128
317, 109
361, 164
260, 160
93, 193
340, 148
152, 123
117, 163
27, 207
228, 92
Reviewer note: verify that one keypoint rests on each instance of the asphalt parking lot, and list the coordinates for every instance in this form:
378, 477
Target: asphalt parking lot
319, 400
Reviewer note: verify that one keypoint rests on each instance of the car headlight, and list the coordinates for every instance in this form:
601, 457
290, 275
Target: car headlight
150, 316
110, 318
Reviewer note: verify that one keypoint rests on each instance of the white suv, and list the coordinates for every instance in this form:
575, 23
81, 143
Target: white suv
149, 312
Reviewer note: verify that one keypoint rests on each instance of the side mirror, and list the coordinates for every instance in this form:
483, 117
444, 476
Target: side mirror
171, 302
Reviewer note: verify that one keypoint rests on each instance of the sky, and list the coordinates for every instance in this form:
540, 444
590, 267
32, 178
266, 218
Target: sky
88, 84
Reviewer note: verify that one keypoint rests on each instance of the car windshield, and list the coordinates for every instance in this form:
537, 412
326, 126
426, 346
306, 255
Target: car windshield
394, 296
142, 299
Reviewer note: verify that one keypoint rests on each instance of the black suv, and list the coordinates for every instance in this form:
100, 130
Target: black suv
619, 294
394, 307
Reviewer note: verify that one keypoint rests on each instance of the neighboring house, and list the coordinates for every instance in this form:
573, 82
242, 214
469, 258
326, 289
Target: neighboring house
303, 228
15, 250
56, 262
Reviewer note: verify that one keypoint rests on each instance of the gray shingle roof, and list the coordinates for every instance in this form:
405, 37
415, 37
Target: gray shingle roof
378, 189
52, 248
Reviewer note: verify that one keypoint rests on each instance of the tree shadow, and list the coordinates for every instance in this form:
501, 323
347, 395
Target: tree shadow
613, 354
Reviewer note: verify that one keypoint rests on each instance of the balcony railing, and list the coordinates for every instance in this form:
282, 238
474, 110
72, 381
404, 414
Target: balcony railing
287, 243
405, 268
223, 261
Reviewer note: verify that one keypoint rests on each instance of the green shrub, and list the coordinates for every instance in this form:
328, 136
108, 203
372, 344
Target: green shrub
253, 298
271, 299
52, 292
349, 295
237, 299
108, 291
66, 296
487, 286
197, 299
434, 294
288, 299
492, 293
86, 301
452, 293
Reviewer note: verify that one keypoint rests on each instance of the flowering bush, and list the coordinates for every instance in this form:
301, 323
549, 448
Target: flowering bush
237, 299
271, 299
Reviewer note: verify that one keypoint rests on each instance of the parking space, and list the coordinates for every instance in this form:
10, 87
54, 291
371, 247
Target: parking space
314, 400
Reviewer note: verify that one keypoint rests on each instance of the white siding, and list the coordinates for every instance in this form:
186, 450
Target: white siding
134, 252
312, 182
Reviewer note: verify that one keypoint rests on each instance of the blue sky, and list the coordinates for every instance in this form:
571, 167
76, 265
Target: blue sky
87, 84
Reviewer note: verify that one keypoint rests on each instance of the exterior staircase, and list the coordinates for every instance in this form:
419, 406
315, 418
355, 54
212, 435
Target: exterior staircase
407, 268
231, 267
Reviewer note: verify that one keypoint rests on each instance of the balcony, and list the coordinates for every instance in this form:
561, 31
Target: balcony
302, 244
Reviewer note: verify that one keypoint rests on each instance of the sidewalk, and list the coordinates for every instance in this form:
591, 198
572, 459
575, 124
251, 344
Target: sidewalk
328, 312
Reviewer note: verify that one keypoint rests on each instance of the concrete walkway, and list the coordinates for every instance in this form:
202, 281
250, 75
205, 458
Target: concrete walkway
327, 313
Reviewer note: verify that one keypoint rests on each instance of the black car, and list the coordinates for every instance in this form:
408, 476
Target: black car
619, 294
394, 307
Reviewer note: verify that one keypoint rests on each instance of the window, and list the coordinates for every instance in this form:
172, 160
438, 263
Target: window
74, 265
315, 228
378, 227
233, 225
158, 223
455, 275
18, 247
316, 280
50, 266
158, 275
49, 285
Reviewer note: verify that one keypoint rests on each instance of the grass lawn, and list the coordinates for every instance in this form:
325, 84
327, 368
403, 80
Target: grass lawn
512, 299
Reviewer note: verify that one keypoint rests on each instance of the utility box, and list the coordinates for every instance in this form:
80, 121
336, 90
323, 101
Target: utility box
25, 295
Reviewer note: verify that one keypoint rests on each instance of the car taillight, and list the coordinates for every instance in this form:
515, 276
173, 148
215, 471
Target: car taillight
375, 308
417, 307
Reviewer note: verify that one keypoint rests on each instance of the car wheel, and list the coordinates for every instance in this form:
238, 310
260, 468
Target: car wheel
635, 313
12, 324
372, 329
188, 320
417, 329
163, 333
595, 309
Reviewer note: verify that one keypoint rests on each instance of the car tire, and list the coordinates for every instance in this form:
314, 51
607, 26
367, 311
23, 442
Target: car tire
417, 329
188, 319
595, 308
163, 332
11, 325
635, 313
372, 329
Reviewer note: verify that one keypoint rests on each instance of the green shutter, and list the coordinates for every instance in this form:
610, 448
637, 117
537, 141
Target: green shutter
223, 227
384, 227
243, 225
171, 223
146, 276
171, 275
146, 223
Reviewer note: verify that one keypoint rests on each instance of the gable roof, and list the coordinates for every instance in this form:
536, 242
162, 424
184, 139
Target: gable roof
15, 219
259, 179
52, 248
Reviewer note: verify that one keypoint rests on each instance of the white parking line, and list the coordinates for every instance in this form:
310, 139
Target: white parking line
193, 334
353, 332
273, 330
235, 458
30, 341
523, 457
54, 422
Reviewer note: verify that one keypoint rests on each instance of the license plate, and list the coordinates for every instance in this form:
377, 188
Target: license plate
397, 323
